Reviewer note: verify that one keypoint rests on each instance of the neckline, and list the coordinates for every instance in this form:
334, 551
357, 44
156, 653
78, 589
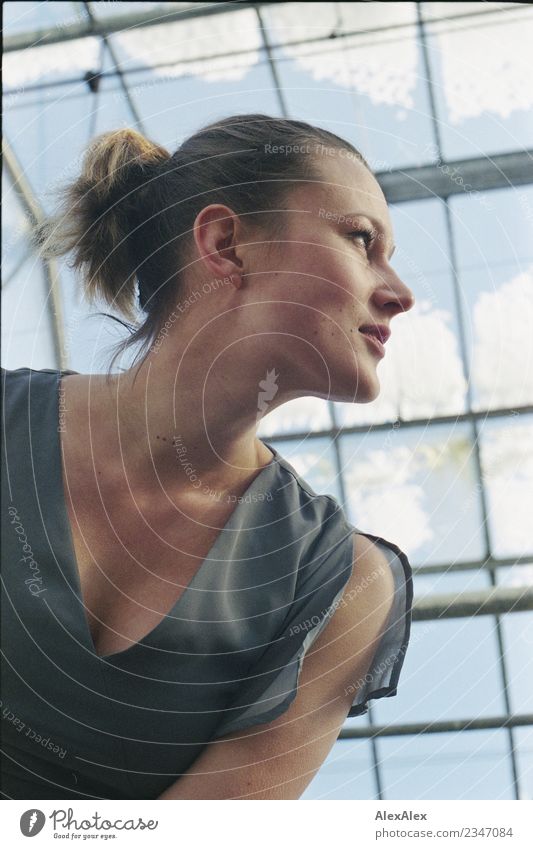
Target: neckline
75, 572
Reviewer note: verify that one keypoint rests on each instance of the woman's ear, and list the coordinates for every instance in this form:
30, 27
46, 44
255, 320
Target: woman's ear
217, 231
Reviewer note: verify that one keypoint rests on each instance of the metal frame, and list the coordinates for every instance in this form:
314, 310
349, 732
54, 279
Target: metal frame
479, 603
117, 23
36, 215
479, 175
519, 720
136, 20
400, 185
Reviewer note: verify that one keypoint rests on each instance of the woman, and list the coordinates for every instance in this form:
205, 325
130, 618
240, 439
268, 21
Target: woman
188, 622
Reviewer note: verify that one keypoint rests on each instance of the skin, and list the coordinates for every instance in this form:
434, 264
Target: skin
294, 306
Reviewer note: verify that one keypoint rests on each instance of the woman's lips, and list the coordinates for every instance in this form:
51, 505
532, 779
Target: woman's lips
378, 347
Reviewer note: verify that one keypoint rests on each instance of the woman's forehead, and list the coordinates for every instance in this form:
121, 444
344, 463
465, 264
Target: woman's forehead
340, 189
352, 179
348, 187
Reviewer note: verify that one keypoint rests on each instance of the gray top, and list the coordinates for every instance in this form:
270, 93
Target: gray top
228, 655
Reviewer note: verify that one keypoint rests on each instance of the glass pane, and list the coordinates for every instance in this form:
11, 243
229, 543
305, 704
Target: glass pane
368, 88
65, 60
88, 337
416, 487
454, 581
481, 80
517, 575
173, 107
109, 108
499, 318
313, 460
494, 233
517, 630
112, 10
422, 243
422, 374
433, 10
347, 773
451, 671
49, 136
27, 338
29, 16
468, 765
15, 231
179, 44
524, 757
506, 447
493, 227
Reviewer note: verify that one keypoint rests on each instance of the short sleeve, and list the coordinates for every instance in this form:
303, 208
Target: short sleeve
271, 684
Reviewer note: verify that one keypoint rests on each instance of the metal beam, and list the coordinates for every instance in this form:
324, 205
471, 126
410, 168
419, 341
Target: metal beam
36, 215
111, 50
461, 176
133, 20
399, 423
488, 563
119, 23
479, 603
441, 727
271, 63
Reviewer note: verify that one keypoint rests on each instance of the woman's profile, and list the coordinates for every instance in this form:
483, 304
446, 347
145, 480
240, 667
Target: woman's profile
184, 616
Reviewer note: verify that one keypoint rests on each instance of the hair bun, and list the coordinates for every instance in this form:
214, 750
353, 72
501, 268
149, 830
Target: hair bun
110, 156
99, 215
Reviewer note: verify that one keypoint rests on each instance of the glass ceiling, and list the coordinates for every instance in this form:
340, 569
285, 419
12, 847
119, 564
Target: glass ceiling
441, 462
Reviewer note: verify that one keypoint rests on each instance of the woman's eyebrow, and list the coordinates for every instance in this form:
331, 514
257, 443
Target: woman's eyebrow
377, 224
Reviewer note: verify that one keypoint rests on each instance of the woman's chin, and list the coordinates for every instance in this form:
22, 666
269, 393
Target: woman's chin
365, 397
348, 381
363, 391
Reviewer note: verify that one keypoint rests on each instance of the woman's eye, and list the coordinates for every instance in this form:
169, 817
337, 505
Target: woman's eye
366, 236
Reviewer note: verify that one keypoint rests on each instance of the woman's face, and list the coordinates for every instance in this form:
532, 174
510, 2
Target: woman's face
328, 276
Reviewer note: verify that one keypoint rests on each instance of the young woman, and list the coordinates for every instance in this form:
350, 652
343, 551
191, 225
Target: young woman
184, 617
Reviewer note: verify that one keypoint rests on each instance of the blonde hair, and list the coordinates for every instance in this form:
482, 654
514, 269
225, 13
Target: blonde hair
96, 216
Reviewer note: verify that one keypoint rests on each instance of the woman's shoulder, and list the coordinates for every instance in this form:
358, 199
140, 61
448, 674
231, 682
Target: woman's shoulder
26, 376
330, 534
317, 519
323, 511
20, 385
297, 488
27, 372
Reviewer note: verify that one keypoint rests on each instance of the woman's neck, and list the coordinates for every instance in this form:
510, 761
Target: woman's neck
172, 423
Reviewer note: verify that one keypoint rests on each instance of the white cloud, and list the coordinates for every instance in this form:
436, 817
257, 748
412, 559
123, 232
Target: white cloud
502, 362
179, 48
507, 455
395, 513
486, 69
68, 59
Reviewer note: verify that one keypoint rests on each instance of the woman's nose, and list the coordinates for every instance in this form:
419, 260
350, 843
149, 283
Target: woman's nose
393, 292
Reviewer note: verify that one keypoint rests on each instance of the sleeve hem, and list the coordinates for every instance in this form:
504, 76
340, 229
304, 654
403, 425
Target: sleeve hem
389, 657
382, 679
269, 714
